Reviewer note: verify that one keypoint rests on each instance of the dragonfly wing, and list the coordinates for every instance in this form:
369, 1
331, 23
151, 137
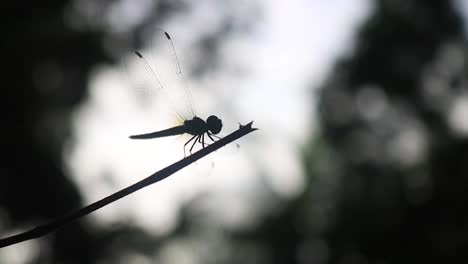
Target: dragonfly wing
155, 73
163, 55
180, 82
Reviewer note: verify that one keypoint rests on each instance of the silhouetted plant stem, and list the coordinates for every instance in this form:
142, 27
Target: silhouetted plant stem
160, 175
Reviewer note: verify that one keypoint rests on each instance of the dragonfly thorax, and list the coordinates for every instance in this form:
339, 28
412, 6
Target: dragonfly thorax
197, 126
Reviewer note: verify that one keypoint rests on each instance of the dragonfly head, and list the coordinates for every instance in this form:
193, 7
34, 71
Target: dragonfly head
214, 124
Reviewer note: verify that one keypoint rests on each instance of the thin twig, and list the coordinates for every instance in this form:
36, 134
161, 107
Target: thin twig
157, 176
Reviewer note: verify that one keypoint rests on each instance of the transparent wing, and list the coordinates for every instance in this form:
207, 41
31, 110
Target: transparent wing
181, 82
156, 72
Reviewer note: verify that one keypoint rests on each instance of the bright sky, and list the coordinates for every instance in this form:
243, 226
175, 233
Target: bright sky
290, 51
269, 78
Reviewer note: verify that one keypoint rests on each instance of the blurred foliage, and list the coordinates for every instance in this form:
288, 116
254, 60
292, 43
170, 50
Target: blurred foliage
387, 114
44, 77
49, 51
387, 175
386, 178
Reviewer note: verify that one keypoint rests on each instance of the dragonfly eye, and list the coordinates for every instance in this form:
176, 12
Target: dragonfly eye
214, 124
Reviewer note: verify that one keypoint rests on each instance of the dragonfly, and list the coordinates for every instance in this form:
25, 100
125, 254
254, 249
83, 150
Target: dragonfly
191, 124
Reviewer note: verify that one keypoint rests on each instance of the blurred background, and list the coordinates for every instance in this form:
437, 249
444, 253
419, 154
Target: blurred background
361, 156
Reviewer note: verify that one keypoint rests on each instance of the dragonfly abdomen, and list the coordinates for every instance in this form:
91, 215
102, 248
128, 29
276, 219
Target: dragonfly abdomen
177, 130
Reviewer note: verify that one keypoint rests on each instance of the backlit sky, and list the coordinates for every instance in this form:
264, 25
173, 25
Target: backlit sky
269, 77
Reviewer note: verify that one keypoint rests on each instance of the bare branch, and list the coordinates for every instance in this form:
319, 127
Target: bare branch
157, 176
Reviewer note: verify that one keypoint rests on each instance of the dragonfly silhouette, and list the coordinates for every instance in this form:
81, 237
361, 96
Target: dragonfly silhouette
192, 125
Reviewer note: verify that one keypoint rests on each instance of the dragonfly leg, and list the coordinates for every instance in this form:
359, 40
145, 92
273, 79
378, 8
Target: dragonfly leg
185, 145
210, 136
204, 143
194, 142
200, 141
